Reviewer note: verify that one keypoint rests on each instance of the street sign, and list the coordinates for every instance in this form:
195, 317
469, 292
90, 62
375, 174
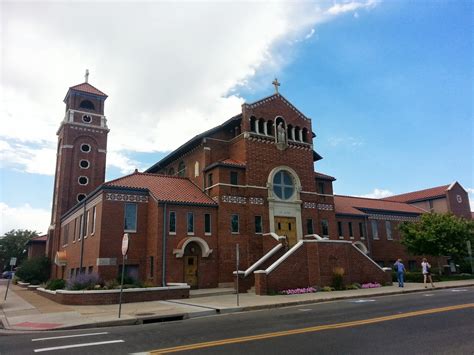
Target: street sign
12, 261
125, 244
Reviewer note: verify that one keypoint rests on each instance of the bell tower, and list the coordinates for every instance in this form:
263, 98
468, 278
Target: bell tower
81, 154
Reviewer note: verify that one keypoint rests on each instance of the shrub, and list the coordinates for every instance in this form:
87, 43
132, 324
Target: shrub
327, 289
338, 278
83, 282
56, 284
354, 286
112, 284
34, 270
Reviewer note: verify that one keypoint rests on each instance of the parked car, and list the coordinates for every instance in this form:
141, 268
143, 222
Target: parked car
7, 274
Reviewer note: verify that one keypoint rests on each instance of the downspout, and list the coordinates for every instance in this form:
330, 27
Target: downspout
163, 249
84, 233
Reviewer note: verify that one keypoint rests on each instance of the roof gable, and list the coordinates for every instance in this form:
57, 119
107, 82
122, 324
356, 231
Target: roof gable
273, 97
86, 88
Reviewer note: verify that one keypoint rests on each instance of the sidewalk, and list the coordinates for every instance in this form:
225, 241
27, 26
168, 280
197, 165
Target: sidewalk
27, 311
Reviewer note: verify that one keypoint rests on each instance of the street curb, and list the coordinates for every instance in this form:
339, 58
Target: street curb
7, 330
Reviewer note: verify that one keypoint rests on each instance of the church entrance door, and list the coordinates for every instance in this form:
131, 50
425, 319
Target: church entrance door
191, 271
286, 226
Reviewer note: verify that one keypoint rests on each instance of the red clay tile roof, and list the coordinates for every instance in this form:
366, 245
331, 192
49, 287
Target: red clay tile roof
165, 188
323, 176
233, 162
86, 87
228, 163
355, 205
426, 194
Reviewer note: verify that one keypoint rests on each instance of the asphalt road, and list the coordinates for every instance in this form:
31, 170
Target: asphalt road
432, 322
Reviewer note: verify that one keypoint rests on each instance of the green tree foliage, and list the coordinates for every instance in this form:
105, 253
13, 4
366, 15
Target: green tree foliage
34, 270
12, 244
438, 235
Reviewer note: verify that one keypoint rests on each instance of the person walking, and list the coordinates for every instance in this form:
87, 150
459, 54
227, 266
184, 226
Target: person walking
426, 270
400, 269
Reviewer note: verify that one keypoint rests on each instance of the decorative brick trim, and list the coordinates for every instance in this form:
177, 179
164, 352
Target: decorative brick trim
126, 198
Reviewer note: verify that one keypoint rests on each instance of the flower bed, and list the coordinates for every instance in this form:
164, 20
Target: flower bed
371, 285
298, 291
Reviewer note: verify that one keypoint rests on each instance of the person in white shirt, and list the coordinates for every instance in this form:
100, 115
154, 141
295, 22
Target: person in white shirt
426, 270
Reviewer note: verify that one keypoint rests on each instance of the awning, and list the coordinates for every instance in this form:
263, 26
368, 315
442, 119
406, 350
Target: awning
61, 258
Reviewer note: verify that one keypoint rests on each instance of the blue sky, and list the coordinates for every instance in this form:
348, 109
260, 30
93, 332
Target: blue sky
388, 85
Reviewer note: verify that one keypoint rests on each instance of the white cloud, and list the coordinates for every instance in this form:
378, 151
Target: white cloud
348, 142
310, 34
167, 67
378, 193
125, 164
338, 9
40, 159
23, 217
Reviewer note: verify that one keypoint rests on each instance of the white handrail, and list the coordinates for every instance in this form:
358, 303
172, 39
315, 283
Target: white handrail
262, 259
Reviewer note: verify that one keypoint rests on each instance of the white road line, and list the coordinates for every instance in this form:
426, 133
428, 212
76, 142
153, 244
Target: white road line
78, 345
458, 290
304, 309
69, 336
362, 301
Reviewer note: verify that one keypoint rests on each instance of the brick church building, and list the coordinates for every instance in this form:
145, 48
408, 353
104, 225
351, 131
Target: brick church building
249, 181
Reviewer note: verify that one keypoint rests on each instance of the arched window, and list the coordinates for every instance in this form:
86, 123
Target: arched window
181, 168
261, 124
269, 128
298, 134
305, 135
291, 133
171, 171
87, 105
253, 126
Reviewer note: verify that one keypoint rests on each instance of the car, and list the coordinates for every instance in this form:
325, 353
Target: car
7, 274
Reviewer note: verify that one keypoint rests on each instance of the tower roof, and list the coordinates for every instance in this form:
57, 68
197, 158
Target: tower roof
86, 88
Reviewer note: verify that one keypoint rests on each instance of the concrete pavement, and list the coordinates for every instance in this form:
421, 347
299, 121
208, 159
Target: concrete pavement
25, 310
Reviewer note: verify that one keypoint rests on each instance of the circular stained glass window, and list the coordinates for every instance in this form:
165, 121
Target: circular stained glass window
283, 185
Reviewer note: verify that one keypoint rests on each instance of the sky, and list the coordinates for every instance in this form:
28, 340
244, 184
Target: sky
388, 86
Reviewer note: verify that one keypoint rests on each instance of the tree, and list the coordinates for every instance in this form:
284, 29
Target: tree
12, 244
438, 235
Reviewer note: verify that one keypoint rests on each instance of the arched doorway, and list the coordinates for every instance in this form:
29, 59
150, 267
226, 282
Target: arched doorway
191, 256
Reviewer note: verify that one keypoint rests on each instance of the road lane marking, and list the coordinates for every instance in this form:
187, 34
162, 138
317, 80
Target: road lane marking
362, 301
304, 309
310, 329
78, 345
69, 336
458, 290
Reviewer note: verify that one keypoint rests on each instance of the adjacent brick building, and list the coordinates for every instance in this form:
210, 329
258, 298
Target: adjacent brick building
249, 181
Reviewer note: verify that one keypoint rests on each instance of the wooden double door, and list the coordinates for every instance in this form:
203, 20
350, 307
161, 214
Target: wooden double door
286, 226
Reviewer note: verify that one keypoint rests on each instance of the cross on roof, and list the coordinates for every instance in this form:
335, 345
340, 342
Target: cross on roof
276, 84
87, 75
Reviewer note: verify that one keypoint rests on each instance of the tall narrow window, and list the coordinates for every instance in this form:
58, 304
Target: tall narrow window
325, 227
361, 230
94, 217
388, 228
207, 224
351, 234
309, 226
66, 234
172, 223
339, 229
258, 225
234, 178
375, 229
190, 223
234, 223
209, 180
81, 226
130, 217
74, 231
181, 169
86, 223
